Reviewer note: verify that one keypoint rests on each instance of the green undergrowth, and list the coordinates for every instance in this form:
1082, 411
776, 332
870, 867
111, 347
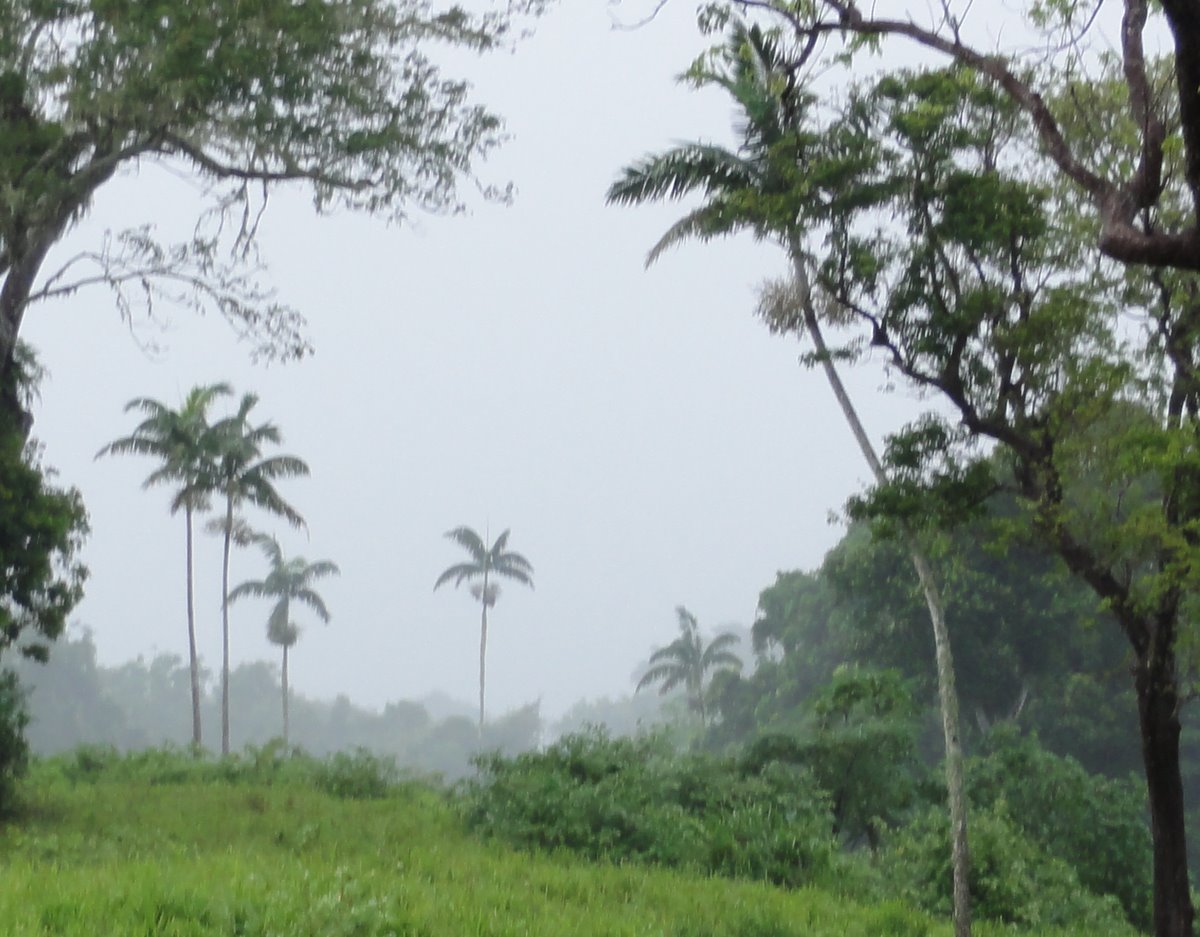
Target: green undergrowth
168, 847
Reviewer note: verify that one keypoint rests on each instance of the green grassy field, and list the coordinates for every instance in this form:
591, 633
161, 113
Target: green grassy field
130, 857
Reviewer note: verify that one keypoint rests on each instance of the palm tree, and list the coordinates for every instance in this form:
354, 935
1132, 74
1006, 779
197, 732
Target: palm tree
780, 177
687, 661
242, 474
182, 441
287, 581
479, 570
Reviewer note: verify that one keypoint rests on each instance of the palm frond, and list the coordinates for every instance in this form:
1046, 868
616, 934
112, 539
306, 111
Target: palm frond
470, 541
458, 573
255, 588
678, 172
313, 601
670, 677
715, 219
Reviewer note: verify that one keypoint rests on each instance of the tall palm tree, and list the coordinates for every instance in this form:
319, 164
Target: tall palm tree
182, 442
784, 172
242, 474
287, 581
687, 662
483, 566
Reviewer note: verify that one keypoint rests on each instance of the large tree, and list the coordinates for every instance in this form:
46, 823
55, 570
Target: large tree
688, 662
343, 97
182, 442
974, 246
480, 570
287, 581
242, 474
761, 187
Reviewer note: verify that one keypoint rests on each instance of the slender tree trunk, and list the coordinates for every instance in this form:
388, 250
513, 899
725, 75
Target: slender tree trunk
483, 648
225, 628
285, 696
1158, 714
193, 661
947, 694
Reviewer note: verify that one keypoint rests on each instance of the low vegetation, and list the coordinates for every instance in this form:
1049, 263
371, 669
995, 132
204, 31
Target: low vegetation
262, 844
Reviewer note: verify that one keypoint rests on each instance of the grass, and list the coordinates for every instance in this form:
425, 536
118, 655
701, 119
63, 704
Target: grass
197, 857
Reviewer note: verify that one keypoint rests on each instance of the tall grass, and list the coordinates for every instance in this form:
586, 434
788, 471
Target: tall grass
170, 846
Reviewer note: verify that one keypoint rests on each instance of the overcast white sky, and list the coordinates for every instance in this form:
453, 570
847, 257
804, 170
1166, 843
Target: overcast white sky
648, 442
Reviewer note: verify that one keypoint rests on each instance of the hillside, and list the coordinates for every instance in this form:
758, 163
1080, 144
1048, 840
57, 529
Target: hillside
257, 849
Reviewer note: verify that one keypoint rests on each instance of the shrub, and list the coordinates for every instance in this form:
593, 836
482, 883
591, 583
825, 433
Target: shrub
1013, 880
635, 799
1096, 825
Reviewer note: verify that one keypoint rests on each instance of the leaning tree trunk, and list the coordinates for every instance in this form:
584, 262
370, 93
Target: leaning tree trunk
285, 697
225, 629
193, 661
947, 694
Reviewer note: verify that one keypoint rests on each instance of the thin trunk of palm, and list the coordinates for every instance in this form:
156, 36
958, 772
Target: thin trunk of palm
193, 661
483, 647
947, 694
225, 628
285, 696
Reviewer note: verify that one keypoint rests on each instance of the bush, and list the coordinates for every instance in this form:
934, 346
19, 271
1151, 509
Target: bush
1012, 879
636, 800
1095, 825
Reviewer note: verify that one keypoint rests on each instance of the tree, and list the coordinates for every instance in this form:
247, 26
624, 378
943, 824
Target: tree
339, 96
181, 440
287, 581
484, 564
687, 661
783, 174
241, 473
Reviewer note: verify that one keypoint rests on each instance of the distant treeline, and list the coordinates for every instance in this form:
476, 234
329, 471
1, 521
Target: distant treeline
73, 700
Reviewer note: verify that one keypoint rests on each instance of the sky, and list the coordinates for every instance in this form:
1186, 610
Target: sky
646, 440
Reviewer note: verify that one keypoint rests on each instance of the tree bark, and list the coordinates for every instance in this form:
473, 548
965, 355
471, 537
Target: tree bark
225, 628
1158, 715
947, 693
193, 661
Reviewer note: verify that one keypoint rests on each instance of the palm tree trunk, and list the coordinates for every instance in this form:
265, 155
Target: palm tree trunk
947, 694
225, 628
285, 697
193, 662
483, 648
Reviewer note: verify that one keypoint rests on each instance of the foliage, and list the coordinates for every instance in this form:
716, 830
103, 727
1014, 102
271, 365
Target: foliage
1093, 824
635, 799
42, 527
1013, 880
211, 858
345, 99
14, 749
